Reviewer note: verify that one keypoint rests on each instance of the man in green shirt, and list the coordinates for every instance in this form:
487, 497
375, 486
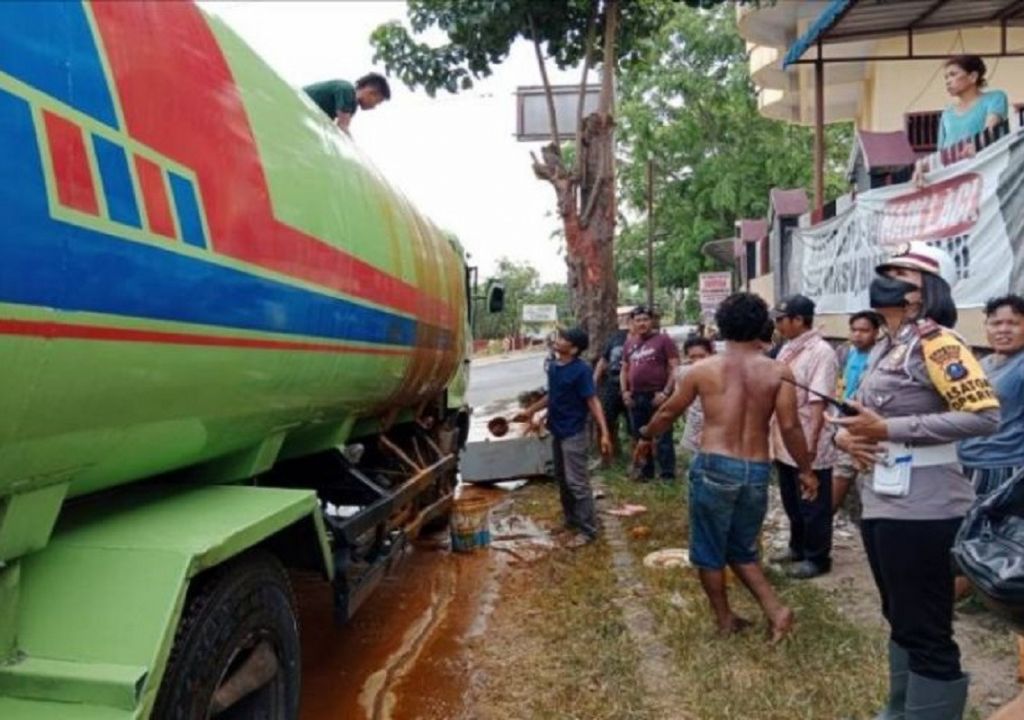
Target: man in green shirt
340, 100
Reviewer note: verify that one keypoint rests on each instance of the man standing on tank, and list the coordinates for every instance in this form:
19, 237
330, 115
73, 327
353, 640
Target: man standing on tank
340, 100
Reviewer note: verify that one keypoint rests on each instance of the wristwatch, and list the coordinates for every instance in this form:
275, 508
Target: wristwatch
644, 435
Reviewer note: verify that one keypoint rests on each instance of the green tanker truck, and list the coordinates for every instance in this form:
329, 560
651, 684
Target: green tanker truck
229, 349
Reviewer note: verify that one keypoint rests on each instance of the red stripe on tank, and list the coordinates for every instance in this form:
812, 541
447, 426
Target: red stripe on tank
67, 331
179, 97
75, 187
154, 195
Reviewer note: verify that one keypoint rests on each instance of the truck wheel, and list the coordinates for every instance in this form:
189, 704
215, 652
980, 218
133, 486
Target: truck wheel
236, 651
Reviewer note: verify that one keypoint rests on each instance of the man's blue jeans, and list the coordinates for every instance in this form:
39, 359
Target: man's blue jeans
664, 450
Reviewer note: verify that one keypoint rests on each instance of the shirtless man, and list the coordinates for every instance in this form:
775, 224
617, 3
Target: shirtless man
739, 390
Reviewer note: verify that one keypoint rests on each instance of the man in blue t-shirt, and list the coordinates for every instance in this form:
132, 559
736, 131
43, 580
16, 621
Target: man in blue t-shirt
570, 396
992, 460
853, 361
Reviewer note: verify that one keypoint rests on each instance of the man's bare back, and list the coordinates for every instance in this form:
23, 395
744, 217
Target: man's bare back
739, 391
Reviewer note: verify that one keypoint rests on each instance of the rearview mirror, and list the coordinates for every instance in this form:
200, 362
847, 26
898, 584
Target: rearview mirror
495, 297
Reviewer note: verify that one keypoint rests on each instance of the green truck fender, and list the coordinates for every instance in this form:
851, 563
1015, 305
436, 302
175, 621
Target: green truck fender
95, 612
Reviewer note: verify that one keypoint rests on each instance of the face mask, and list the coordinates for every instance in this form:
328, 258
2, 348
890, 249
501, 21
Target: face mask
887, 292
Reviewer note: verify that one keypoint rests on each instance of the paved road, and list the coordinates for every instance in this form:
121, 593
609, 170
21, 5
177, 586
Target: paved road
493, 380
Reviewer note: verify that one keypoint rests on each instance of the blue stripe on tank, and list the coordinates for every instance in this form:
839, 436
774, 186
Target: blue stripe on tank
50, 46
49, 263
122, 206
189, 218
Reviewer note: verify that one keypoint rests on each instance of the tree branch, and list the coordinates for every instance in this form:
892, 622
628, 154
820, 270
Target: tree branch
587, 57
547, 84
611, 24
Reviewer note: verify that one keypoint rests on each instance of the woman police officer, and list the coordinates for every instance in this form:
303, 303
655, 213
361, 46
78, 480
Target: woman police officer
923, 391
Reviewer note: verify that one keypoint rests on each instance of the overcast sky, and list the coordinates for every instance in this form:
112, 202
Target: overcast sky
454, 156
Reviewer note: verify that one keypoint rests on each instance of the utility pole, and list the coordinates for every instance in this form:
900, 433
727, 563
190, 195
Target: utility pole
650, 233
819, 138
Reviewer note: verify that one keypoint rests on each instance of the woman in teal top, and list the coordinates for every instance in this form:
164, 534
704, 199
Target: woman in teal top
973, 110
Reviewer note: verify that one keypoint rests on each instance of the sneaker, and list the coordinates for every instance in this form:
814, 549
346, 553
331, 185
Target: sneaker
805, 570
579, 540
786, 556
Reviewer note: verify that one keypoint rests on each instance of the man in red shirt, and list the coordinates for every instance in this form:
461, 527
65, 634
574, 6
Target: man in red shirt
649, 363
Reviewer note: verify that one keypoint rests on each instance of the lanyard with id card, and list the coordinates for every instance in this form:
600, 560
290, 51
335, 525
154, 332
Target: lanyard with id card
891, 475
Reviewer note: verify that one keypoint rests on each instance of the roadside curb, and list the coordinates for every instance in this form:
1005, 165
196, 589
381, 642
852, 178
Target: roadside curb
655, 657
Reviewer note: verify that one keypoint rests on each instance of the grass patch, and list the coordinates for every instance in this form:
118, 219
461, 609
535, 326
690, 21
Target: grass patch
556, 646
829, 667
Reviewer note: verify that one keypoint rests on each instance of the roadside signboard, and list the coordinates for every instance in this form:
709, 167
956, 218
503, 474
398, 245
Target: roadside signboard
713, 289
540, 314
533, 123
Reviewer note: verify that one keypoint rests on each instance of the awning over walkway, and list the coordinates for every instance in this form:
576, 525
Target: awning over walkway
848, 20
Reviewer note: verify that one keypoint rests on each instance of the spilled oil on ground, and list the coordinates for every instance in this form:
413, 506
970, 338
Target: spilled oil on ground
532, 629
403, 655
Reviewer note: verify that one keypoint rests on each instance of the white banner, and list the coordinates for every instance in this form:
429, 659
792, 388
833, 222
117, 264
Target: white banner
974, 209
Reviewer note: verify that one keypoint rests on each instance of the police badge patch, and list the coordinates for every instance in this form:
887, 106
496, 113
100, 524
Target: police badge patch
956, 374
948, 358
955, 371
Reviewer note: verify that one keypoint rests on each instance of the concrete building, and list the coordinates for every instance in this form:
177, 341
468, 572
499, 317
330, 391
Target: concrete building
878, 65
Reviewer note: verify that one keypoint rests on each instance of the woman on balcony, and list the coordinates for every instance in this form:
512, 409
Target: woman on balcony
973, 110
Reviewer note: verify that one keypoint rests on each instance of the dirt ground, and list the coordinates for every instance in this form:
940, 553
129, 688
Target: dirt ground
529, 629
988, 648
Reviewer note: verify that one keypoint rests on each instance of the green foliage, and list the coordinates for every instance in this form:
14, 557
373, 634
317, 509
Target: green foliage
690, 106
480, 34
522, 287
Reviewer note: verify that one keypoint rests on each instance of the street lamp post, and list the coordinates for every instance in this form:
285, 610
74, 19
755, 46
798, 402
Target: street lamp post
650, 232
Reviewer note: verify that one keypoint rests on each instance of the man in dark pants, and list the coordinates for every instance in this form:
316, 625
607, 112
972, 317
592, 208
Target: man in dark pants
607, 379
649, 363
814, 365
570, 399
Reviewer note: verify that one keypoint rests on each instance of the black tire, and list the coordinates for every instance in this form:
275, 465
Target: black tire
232, 609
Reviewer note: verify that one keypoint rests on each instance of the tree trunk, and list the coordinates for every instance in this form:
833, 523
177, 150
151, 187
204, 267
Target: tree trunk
586, 201
590, 239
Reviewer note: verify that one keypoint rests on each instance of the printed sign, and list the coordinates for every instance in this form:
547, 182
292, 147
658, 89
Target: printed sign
540, 313
714, 287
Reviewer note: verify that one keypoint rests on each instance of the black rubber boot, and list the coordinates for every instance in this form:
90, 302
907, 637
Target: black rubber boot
898, 672
929, 699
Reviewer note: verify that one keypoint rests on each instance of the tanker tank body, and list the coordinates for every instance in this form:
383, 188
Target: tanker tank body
218, 324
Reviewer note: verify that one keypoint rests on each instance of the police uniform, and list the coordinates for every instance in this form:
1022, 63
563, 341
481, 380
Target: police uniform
932, 392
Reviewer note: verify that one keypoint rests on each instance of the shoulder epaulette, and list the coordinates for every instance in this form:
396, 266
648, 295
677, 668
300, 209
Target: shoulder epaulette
927, 328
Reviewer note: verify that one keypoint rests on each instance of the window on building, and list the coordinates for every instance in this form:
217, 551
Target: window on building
923, 130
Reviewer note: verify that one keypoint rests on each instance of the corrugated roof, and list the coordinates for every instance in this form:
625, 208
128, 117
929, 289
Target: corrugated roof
788, 202
721, 250
845, 20
885, 150
750, 230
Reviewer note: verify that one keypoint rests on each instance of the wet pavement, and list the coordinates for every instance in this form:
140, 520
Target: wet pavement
404, 654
